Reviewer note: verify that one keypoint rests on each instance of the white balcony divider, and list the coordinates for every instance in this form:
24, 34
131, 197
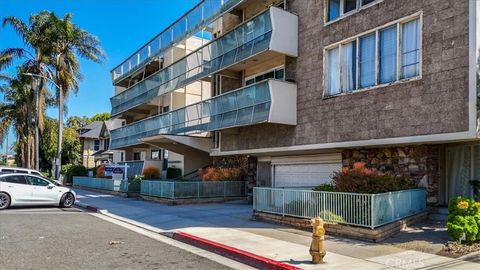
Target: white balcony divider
364, 210
189, 24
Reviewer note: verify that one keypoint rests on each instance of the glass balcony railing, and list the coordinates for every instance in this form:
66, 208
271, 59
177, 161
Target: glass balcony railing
246, 40
245, 106
194, 20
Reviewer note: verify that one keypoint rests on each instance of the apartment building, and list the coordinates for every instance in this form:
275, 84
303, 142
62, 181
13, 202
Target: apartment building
294, 90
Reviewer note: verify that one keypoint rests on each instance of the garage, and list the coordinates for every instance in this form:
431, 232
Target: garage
305, 171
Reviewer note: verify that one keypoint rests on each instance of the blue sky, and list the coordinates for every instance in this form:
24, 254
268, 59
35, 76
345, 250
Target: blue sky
122, 27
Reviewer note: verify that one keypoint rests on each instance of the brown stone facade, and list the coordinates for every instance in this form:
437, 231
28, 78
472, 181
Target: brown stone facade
420, 162
248, 164
435, 103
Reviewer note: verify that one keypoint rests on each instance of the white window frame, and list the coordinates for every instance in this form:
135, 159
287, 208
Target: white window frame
343, 15
399, 23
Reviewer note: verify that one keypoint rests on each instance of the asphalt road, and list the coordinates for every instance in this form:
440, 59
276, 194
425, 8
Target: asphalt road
52, 238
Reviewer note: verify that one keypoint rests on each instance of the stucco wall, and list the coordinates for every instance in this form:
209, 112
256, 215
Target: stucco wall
437, 103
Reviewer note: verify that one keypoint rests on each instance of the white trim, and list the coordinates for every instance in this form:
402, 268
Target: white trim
435, 138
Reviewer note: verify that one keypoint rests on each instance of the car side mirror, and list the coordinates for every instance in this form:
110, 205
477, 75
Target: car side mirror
50, 186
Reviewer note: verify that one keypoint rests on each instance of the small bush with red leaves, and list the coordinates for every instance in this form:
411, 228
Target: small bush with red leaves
360, 179
220, 174
151, 172
100, 172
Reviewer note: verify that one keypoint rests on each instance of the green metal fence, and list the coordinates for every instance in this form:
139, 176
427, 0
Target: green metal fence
197, 189
365, 210
101, 183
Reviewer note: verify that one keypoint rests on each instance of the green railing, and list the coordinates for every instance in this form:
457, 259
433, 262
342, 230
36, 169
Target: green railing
245, 106
246, 40
190, 190
191, 22
101, 183
365, 210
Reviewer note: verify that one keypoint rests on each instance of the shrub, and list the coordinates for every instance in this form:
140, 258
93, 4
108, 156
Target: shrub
71, 170
173, 172
360, 179
324, 187
218, 174
151, 172
134, 185
463, 221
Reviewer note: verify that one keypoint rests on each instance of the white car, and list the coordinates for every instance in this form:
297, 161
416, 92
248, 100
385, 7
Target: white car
18, 189
5, 170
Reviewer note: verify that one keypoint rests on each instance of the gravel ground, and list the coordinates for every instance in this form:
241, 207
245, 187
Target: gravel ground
51, 238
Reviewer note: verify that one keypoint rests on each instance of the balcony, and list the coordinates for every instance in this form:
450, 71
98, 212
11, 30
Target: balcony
270, 101
274, 30
195, 19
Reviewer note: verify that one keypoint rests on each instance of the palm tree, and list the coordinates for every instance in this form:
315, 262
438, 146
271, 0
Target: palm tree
70, 41
14, 113
35, 37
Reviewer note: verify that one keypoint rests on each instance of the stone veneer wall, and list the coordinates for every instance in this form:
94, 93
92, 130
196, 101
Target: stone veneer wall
419, 162
248, 164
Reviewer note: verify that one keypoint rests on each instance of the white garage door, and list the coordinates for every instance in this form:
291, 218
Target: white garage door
304, 175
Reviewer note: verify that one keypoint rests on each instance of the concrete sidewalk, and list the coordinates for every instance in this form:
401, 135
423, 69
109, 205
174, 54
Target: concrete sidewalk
229, 224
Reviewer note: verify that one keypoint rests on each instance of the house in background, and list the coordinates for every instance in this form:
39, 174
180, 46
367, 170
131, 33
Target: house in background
95, 141
294, 90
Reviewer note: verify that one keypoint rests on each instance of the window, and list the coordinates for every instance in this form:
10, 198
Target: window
155, 155
37, 181
388, 54
96, 145
333, 9
106, 144
278, 73
367, 60
138, 155
16, 179
410, 49
338, 8
349, 5
333, 79
36, 173
349, 66
376, 58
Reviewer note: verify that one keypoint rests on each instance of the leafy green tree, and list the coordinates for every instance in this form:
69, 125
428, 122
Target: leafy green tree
99, 117
71, 146
76, 122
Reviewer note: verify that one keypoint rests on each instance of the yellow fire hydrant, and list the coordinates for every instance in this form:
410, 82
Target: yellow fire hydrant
317, 248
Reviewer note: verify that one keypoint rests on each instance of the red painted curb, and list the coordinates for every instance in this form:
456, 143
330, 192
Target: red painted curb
233, 253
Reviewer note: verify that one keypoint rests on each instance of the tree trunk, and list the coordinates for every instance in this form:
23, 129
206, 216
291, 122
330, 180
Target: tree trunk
60, 132
37, 129
27, 161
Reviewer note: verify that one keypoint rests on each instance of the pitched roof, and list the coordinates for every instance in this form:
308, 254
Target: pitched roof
92, 130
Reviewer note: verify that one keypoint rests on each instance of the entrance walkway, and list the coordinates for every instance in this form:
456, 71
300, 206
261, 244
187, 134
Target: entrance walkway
230, 224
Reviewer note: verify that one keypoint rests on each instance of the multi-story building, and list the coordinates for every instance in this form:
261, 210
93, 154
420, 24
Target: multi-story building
296, 89
95, 141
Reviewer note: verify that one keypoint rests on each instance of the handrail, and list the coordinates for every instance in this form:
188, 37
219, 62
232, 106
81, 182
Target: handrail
201, 23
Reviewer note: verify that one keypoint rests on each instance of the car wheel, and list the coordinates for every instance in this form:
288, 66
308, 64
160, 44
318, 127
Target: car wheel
4, 200
67, 200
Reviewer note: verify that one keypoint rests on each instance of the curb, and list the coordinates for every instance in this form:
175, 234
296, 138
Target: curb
232, 253
239, 255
